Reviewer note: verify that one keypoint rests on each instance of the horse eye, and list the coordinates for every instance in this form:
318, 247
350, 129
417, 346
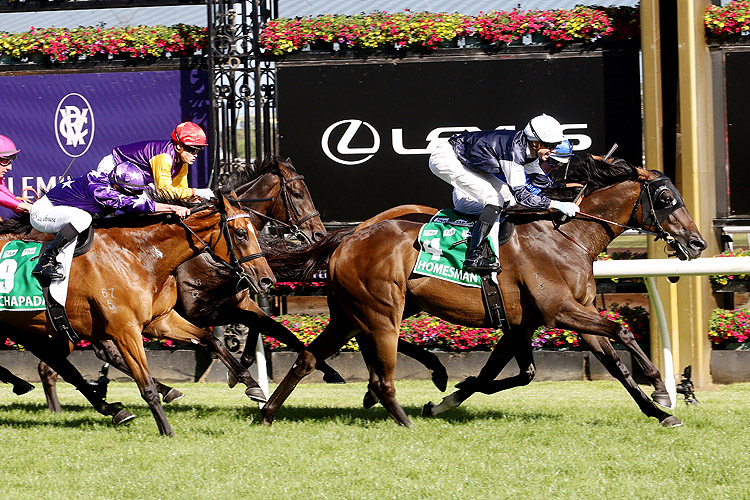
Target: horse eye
241, 234
666, 198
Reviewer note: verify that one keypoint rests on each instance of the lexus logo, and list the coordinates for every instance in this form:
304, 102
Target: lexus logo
74, 125
351, 130
343, 147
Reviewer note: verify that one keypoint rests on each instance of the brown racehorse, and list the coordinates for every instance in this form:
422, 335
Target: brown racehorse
547, 279
207, 291
124, 286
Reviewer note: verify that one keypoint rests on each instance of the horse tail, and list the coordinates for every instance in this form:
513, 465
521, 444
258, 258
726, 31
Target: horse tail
301, 263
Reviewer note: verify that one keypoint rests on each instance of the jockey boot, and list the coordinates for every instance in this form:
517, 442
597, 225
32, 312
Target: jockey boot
476, 262
48, 268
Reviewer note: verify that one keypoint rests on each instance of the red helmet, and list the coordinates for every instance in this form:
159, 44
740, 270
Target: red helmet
189, 134
7, 148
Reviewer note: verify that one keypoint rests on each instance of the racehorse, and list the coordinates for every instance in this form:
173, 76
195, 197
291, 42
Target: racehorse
207, 291
547, 279
124, 286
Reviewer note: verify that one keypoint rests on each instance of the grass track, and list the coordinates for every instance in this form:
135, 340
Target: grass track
550, 440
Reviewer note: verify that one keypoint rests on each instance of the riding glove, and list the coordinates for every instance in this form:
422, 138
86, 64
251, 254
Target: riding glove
205, 193
566, 207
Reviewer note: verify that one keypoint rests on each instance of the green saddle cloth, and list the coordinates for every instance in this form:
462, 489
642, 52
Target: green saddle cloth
19, 291
443, 244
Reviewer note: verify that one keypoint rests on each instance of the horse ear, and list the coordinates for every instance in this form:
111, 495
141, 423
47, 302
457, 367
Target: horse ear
643, 174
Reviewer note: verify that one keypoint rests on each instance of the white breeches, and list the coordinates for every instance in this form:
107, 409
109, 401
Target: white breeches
48, 218
473, 190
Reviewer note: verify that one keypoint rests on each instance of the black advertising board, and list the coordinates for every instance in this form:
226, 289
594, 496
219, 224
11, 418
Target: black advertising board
361, 130
737, 74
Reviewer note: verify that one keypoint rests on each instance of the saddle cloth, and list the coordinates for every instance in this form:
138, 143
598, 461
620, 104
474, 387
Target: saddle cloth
443, 243
18, 290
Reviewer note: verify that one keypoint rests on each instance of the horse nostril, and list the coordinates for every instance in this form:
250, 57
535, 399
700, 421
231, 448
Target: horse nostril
317, 236
698, 244
266, 283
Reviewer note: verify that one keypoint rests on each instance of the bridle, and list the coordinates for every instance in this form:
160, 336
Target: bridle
293, 219
235, 263
654, 200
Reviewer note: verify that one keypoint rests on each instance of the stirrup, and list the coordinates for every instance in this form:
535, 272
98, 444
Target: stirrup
481, 265
51, 271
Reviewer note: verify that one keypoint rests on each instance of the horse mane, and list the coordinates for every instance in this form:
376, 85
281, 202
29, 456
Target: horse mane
593, 172
301, 262
245, 174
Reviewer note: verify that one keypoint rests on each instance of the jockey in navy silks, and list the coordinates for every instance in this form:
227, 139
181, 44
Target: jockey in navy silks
67, 210
495, 169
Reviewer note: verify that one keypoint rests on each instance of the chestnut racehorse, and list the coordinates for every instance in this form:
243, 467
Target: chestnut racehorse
547, 279
124, 286
277, 194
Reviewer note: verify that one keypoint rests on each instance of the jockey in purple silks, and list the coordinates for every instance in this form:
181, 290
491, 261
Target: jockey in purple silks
164, 163
493, 169
67, 210
8, 153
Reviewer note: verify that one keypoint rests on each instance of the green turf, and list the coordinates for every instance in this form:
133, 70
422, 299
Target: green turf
549, 440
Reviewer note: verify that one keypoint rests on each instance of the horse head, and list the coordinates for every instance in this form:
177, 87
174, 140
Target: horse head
661, 209
235, 246
277, 193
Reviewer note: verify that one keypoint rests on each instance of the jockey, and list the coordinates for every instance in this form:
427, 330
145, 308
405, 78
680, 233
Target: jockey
164, 163
8, 152
67, 209
489, 171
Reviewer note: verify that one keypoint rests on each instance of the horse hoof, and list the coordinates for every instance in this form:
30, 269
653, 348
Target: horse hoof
440, 380
122, 417
662, 399
267, 419
172, 395
256, 394
671, 421
22, 388
231, 380
369, 400
427, 409
333, 378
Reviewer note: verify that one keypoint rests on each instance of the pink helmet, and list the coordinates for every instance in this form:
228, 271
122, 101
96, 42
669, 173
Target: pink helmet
7, 148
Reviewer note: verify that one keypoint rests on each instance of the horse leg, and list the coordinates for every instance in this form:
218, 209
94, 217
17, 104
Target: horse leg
175, 327
62, 366
513, 344
608, 356
134, 354
660, 395
573, 316
107, 351
338, 331
249, 314
48, 377
383, 367
20, 386
429, 360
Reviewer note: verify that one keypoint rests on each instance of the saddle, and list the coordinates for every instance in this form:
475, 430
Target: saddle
443, 244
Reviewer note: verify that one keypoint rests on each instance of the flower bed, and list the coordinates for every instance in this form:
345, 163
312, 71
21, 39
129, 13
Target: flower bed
61, 44
719, 280
434, 333
727, 22
729, 329
426, 30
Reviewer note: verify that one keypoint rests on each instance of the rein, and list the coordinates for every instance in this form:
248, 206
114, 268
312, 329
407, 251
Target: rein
235, 265
293, 220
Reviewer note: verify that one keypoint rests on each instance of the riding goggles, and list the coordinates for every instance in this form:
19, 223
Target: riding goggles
193, 150
7, 160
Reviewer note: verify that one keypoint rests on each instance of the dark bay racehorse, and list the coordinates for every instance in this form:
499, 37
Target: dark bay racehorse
124, 286
547, 279
207, 291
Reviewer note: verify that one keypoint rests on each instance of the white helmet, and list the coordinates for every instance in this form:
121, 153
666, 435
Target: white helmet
544, 128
